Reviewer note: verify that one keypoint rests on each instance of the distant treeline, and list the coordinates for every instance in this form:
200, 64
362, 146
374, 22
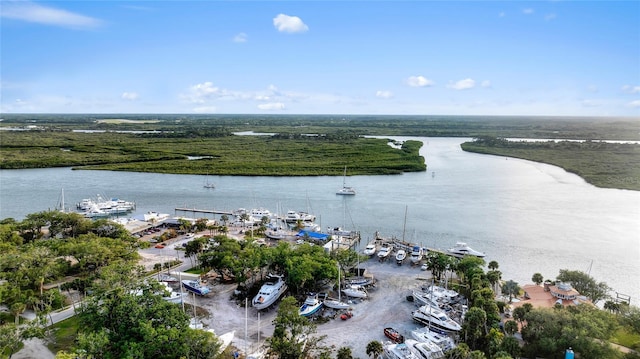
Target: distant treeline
603, 164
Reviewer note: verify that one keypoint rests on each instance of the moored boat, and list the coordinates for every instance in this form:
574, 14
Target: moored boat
196, 287
310, 306
461, 249
346, 190
384, 252
273, 288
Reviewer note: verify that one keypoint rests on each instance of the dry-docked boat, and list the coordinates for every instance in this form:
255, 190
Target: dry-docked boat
394, 335
398, 351
425, 350
311, 305
273, 288
435, 319
444, 341
355, 291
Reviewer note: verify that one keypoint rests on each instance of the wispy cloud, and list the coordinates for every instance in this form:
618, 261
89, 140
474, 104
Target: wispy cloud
419, 81
486, 83
205, 109
31, 12
241, 37
129, 96
550, 16
528, 11
290, 24
462, 84
634, 104
631, 89
271, 106
384, 94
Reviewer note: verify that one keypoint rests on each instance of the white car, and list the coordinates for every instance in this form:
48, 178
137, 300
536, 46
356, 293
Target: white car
424, 267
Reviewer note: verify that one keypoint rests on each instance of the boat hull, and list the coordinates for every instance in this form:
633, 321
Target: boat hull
269, 294
195, 287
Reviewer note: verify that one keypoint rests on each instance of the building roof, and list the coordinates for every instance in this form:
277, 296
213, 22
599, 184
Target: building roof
540, 298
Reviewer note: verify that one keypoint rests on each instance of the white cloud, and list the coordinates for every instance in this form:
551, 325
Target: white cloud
550, 17
486, 83
384, 94
502, 14
271, 106
290, 24
634, 104
205, 109
630, 89
131, 96
462, 84
241, 37
201, 93
30, 12
419, 81
527, 11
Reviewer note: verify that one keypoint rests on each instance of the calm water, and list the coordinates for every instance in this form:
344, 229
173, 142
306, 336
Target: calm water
530, 217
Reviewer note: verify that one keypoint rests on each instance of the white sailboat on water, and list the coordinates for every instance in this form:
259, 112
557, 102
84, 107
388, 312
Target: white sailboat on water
346, 190
208, 184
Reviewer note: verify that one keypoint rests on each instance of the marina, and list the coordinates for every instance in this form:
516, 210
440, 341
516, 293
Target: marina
468, 201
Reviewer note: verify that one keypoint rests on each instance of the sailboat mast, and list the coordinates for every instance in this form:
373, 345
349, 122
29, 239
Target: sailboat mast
404, 226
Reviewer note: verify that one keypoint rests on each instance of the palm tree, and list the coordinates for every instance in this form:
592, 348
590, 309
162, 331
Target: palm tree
537, 278
512, 288
344, 353
374, 348
493, 265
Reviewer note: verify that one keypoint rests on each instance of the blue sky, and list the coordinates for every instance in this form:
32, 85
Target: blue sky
564, 58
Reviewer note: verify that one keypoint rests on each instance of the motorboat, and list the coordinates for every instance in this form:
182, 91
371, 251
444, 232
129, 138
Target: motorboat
425, 350
443, 294
394, 335
444, 341
435, 319
272, 289
277, 234
293, 217
346, 190
370, 249
170, 295
310, 306
461, 249
416, 254
401, 255
425, 298
398, 351
196, 287
384, 252
355, 291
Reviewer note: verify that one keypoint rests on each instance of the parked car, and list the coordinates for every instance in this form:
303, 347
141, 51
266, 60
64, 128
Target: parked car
160, 245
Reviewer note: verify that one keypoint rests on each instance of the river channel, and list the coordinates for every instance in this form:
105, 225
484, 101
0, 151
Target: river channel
530, 217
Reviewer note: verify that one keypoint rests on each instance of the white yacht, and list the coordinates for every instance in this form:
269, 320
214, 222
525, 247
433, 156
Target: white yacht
370, 249
444, 341
416, 254
270, 291
398, 351
461, 249
384, 251
293, 217
435, 319
425, 350
400, 256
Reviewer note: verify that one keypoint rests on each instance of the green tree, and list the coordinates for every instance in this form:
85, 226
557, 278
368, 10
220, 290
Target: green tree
374, 348
537, 278
293, 333
511, 288
344, 353
511, 345
510, 327
585, 284
493, 265
474, 328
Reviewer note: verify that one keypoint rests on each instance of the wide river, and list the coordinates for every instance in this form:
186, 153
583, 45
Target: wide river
530, 217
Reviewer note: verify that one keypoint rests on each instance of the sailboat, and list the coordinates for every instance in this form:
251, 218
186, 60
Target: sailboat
336, 304
345, 190
208, 184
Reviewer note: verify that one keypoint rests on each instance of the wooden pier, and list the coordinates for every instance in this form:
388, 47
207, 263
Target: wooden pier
204, 211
